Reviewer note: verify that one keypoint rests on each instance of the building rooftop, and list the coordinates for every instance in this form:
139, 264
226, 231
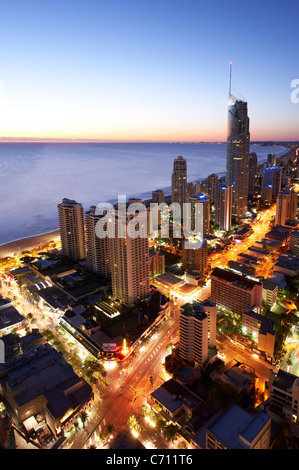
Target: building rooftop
233, 278
44, 371
195, 309
172, 395
284, 380
168, 279
200, 197
266, 324
269, 285
9, 317
289, 261
235, 424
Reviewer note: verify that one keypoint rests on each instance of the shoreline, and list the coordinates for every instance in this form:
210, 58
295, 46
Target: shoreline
28, 243
32, 241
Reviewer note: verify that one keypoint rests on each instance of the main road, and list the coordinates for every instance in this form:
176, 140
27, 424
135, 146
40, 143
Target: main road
129, 387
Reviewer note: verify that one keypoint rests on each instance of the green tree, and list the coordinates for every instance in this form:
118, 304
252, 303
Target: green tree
76, 426
83, 416
110, 429
170, 432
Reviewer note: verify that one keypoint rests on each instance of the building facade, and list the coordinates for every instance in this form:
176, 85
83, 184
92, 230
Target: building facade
198, 215
223, 206
98, 256
235, 292
72, 231
195, 255
272, 177
286, 205
193, 345
237, 156
179, 181
129, 256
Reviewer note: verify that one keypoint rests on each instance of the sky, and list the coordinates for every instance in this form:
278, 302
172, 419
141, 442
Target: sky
147, 69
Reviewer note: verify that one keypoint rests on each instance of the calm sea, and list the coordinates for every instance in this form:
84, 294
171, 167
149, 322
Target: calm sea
36, 176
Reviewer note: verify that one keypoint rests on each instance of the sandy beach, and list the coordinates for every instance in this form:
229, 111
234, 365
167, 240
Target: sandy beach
36, 241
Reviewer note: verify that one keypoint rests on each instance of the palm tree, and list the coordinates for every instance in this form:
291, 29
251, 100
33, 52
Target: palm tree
109, 429
76, 426
92, 446
83, 416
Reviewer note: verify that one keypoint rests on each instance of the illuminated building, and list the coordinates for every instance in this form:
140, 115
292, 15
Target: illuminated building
223, 207
284, 398
286, 205
42, 382
179, 181
208, 186
193, 346
71, 224
272, 176
97, 248
267, 193
235, 292
129, 256
252, 173
262, 330
195, 255
198, 214
294, 242
237, 156
157, 263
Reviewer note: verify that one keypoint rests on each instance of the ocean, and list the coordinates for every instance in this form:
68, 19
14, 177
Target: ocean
35, 177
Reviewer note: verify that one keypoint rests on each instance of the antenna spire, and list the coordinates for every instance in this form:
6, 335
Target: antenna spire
230, 77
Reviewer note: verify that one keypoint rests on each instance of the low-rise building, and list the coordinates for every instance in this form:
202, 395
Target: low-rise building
262, 330
235, 292
294, 242
239, 429
270, 291
10, 318
288, 263
174, 401
42, 382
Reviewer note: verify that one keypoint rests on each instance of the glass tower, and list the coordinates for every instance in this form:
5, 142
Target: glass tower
237, 156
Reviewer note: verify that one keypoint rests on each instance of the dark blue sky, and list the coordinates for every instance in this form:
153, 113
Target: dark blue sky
146, 69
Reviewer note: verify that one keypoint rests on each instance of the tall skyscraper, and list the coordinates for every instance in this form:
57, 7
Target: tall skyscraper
98, 256
72, 234
179, 181
286, 205
212, 182
193, 346
252, 173
223, 206
198, 214
237, 156
272, 176
129, 256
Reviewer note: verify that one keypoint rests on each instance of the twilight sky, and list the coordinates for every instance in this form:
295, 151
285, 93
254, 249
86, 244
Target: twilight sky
146, 69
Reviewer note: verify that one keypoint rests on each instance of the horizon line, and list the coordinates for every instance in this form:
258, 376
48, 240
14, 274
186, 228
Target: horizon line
83, 140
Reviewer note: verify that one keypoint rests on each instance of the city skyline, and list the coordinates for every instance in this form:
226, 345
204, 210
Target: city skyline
145, 72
